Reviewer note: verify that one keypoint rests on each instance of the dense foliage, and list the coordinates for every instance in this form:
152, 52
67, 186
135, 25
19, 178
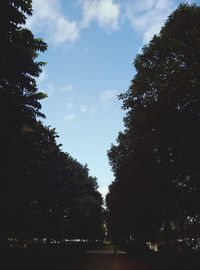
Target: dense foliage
44, 192
156, 160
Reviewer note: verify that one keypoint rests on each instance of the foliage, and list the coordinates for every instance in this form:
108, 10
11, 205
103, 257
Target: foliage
156, 159
19, 96
44, 192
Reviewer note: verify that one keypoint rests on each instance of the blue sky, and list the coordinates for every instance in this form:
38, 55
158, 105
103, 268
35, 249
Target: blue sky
91, 48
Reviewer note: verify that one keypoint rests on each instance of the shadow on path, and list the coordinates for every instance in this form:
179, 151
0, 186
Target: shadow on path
109, 262
106, 251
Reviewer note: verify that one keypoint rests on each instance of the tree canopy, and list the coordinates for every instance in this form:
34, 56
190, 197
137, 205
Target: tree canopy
44, 191
156, 158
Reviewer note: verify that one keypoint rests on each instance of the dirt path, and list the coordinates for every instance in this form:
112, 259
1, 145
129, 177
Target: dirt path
106, 249
104, 258
108, 262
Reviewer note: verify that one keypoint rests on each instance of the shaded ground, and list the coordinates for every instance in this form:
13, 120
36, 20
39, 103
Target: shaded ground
106, 248
78, 262
61, 259
110, 262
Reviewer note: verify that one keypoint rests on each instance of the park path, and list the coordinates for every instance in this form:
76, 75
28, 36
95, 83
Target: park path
106, 248
105, 259
109, 262
102, 258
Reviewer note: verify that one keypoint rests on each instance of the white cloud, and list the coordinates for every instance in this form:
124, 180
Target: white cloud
90, 109
105, 12
69, 105
147, 16
66, 89
103, 190
83, 109
49, 90
69, 118
48, 17
108, 96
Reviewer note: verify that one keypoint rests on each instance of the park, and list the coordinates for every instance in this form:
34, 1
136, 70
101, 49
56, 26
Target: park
53, 214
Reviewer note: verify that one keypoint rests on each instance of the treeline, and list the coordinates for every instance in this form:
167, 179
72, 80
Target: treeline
44, 191
156, 161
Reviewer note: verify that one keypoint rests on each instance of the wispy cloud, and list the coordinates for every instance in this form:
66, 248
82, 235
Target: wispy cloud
105, 12
69, 118
69, 105
49, 18
88, 109
49, 90
83, 109
66, 88
107, 97
147, 16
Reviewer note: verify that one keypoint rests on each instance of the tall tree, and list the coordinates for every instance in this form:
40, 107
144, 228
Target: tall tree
19, 96
44, 192
84, 213
160, 148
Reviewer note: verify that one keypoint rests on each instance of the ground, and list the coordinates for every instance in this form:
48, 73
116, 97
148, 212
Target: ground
102, 258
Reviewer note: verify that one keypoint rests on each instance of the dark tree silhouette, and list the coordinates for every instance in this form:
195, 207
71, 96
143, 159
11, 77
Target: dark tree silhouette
19, 96
156, 159
44, 192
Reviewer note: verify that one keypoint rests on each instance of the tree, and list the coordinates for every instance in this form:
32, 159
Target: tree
84, 218
56, 196
19, 68
19, 96
159, 149
44, 191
